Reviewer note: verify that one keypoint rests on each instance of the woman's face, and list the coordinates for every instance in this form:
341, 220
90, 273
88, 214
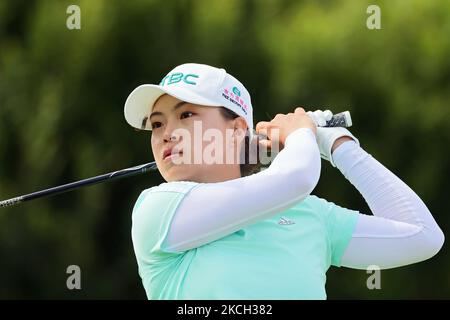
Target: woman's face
201, 139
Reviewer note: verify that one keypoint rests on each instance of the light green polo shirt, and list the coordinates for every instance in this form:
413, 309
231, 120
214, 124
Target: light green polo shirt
283, 257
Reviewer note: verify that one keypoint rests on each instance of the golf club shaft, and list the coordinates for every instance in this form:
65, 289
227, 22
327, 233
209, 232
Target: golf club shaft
81, 183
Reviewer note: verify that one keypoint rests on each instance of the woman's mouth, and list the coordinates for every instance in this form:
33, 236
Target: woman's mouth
170, 156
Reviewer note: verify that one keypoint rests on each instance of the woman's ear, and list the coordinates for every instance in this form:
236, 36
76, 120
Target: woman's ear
239, 129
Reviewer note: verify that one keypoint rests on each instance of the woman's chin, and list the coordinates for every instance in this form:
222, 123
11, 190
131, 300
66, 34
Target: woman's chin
177, 173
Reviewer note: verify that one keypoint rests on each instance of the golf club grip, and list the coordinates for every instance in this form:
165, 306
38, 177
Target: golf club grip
342, 119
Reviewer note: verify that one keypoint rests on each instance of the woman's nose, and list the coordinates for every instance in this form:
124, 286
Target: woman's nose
169, 138
169, 135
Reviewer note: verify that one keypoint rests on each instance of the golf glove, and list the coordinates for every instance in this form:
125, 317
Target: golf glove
326, 136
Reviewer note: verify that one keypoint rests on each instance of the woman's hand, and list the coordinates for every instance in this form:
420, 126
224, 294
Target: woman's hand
283, 124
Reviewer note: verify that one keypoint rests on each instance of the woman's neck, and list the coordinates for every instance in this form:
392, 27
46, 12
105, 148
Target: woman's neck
221, 174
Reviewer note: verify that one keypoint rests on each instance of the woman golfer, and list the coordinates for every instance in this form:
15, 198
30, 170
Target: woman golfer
219, 230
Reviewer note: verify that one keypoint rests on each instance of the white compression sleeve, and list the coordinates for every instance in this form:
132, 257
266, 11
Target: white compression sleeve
213, 210
402, 230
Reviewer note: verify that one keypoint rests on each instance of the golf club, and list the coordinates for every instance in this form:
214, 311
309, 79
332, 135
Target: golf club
342, 119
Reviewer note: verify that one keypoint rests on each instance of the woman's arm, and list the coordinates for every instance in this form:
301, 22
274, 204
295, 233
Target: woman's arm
402, 230
213, 210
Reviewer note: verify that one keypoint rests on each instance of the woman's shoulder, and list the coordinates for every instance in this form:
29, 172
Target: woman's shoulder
312, 201
315, 205
166, 194
324, 208
173, 186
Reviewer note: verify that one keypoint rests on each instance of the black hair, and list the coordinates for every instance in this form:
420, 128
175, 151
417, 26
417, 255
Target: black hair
246, 167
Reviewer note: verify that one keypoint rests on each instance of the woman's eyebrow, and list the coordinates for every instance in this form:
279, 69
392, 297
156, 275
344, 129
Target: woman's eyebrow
178, 105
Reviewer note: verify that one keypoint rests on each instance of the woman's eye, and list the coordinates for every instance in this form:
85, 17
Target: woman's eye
156, 125
186, 113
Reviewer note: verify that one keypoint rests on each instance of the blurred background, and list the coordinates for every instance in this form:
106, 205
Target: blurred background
61, 119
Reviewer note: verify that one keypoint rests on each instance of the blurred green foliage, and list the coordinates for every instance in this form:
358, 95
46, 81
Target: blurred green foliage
61, 119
